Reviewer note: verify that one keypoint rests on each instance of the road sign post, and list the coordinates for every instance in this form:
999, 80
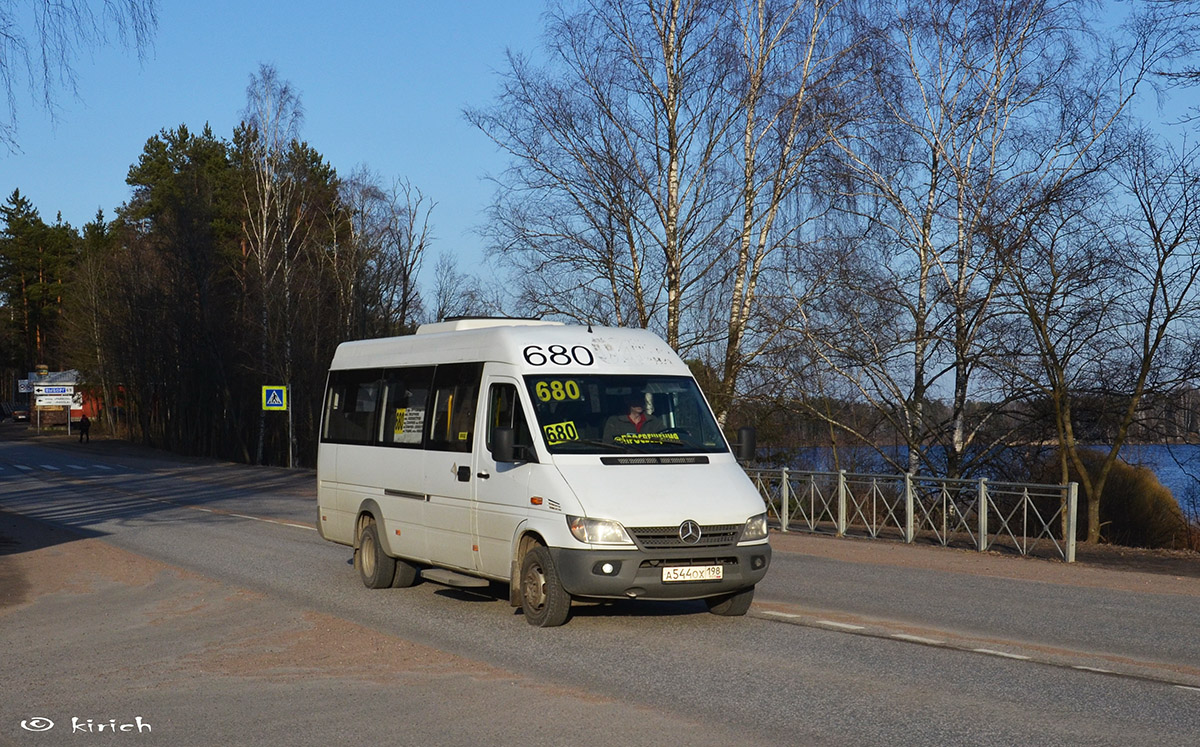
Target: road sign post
276, 398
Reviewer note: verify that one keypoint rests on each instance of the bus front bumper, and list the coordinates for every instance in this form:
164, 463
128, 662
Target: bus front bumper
684, 573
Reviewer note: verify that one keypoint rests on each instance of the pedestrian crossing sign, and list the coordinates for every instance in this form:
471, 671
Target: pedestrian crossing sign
274, 397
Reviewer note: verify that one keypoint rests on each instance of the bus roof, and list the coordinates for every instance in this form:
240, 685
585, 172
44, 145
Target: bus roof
529, 344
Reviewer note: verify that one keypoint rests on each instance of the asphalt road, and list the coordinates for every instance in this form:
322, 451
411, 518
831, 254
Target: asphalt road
187, 602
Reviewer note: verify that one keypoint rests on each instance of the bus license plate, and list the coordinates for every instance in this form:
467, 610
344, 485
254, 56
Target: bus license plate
675, 573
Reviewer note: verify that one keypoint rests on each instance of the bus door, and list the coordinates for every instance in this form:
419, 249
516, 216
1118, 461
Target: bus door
449, 464
502, 491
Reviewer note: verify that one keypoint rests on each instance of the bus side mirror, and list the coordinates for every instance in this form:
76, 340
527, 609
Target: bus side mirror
747, 444
502, 444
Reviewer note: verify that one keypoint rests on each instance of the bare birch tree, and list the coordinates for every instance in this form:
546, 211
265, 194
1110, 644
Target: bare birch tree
1115, 315
404, 238
616, 156
45, 54
787, 87
994, 108
272, 121
376, 264
458, 293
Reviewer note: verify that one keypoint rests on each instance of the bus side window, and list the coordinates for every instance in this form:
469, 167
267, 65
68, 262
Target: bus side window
404, 398
505, 411
454, 397
350, 404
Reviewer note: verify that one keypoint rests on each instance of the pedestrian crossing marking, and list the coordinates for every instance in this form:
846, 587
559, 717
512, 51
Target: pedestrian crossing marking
27, 468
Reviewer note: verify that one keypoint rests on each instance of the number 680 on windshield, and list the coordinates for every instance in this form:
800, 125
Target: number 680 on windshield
558, 390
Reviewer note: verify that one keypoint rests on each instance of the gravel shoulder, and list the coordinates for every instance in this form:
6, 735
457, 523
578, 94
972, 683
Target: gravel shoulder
1104, 566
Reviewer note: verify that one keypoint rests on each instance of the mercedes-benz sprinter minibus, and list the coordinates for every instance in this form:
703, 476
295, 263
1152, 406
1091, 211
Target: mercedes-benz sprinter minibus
570, 462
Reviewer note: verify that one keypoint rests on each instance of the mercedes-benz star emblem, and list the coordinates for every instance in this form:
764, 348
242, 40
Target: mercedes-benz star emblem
689, 532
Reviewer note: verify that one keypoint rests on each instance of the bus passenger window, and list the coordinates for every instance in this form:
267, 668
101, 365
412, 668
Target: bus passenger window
405, 395
455, 394
350, 406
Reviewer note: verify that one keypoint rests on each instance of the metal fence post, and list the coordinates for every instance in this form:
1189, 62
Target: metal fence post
785, 513
1072, 518
841, 492
982, 507
908, 508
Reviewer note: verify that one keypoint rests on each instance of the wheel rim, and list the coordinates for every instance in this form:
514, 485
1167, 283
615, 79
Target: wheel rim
368, 555
533, 589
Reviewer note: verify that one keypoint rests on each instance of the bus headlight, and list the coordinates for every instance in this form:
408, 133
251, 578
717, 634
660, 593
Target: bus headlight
755, 529
598, 531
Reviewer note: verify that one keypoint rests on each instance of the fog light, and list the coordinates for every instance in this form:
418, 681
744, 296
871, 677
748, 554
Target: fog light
758, 561
607, 568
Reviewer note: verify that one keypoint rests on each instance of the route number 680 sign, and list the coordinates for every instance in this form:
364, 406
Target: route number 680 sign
558, 355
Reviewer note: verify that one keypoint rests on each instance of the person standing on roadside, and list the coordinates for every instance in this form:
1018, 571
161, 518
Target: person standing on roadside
85, 425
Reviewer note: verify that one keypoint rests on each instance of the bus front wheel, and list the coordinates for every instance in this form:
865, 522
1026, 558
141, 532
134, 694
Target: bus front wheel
731, 605
544, 601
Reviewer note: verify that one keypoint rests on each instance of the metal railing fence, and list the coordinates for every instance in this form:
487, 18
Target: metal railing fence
1027, 518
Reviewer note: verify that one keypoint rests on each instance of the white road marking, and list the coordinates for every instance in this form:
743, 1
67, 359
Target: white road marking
843, 626
918, 639
944, 644
1004, 654
219, 512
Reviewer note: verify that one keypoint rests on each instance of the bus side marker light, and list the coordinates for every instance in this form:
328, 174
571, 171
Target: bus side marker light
536, 500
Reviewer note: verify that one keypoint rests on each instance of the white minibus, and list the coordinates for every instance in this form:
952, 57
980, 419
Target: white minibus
570, 462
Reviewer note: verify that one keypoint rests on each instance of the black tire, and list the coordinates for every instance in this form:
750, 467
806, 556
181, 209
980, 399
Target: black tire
406, 574
731, 605
375, 567
544, 601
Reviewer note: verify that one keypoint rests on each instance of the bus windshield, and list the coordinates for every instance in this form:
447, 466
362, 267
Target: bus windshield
623, 414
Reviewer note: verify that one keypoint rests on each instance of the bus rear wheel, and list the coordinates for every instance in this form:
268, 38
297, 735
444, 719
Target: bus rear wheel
545, 603
407, 574
375, 567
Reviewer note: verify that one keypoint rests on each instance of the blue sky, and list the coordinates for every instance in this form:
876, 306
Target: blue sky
383, 85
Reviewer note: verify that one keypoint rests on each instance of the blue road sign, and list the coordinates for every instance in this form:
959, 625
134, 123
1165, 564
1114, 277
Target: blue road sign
274, 398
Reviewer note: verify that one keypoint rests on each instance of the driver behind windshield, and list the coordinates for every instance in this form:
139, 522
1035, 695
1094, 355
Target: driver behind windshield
634, 421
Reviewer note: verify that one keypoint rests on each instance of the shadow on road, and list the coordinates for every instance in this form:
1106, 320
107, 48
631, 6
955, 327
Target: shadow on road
20, 534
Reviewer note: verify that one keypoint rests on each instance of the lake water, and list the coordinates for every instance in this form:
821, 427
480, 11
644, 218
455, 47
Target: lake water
1176, 465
